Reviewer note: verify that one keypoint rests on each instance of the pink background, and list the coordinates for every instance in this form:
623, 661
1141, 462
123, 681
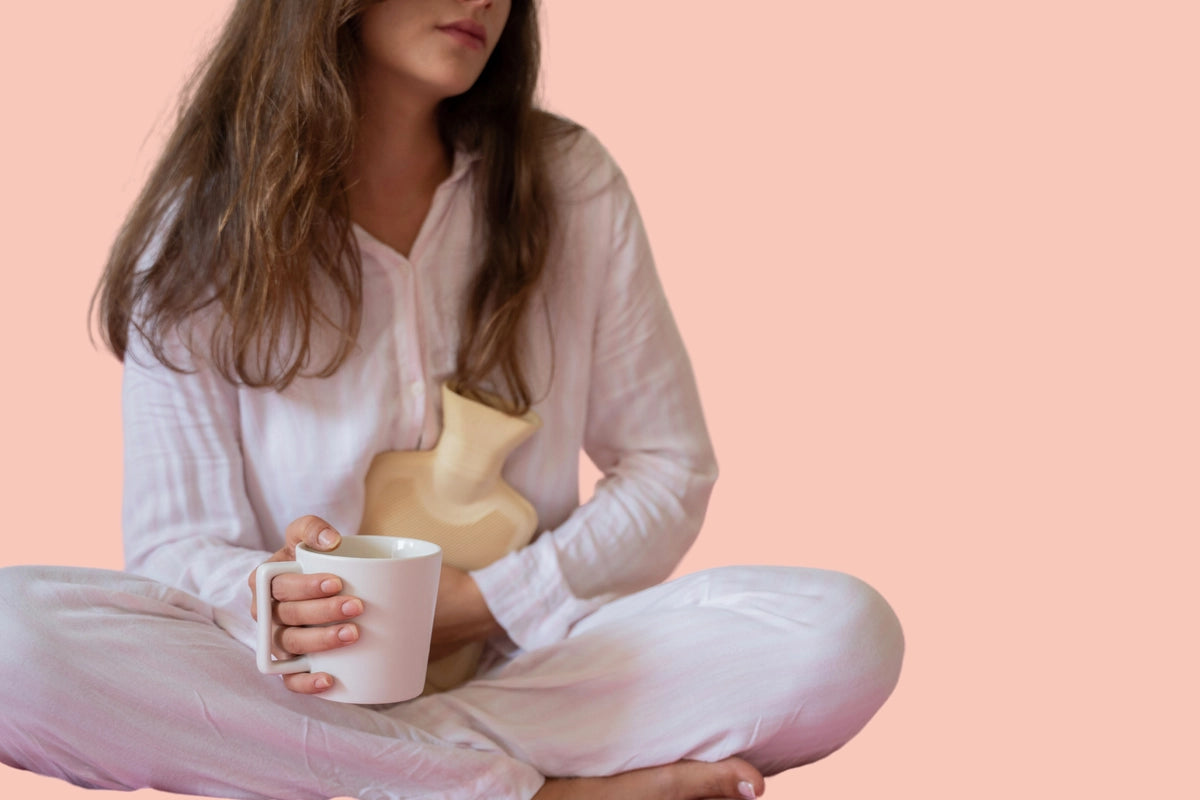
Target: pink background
937, 265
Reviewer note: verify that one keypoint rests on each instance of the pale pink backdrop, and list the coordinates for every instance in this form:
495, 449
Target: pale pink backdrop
937, 265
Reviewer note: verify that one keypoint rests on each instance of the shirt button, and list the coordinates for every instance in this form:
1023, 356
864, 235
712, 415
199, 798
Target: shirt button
417, 388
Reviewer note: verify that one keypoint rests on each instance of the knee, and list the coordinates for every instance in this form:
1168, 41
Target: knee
48, 618
828, 654
835, 614
24, 613
37, 623
863, 650
845, 664
31, 648
870, 635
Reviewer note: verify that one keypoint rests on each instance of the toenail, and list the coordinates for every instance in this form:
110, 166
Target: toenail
746, 789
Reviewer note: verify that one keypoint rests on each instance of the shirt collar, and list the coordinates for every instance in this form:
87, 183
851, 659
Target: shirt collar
462, 163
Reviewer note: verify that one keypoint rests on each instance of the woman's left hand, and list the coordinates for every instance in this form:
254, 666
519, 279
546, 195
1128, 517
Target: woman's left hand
461, 615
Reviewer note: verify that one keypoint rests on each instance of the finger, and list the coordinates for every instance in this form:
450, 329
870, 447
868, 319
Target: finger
308, 682
295, 586
312, 531
318, 612
317, 640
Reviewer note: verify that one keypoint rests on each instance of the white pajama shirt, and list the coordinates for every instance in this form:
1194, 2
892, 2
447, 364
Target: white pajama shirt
580, 685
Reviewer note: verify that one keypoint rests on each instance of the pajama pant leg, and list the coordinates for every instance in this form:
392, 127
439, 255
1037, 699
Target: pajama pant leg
117, 682
781, 666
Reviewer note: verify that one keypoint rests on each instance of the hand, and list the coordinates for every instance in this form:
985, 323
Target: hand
461, 615
303, 600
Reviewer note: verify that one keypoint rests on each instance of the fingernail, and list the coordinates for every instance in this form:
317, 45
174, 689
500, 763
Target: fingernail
347, 633
321, 682
746, 789
350, 608
329, 585
327, 538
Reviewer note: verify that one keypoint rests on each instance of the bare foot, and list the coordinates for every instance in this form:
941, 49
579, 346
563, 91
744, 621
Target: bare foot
683, 780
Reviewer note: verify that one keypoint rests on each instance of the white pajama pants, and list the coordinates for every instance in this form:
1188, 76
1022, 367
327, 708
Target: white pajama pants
118, 682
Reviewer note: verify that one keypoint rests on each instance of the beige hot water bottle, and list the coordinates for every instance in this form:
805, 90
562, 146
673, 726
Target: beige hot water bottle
455, 497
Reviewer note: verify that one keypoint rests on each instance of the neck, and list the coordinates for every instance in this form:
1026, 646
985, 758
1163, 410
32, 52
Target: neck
397, 149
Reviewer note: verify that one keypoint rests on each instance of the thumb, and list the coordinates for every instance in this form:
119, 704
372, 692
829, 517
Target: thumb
314, 532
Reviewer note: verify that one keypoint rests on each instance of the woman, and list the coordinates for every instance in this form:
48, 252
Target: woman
359, 203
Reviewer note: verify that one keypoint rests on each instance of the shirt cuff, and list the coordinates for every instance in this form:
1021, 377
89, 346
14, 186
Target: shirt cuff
528, 595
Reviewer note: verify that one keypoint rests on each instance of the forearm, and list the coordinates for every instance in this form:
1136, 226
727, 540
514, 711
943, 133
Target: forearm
629, 536
186, 518
213, 570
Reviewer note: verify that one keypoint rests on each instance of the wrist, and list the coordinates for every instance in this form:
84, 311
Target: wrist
483, 621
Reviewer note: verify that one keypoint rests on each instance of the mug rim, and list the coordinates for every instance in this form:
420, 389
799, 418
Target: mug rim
436, 548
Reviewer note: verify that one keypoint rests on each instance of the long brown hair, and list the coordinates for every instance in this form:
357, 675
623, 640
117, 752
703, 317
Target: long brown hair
249, 203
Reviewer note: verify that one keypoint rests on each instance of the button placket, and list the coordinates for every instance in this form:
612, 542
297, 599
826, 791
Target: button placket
411, 338
413, 370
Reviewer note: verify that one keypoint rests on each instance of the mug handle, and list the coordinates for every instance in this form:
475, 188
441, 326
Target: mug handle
262, 650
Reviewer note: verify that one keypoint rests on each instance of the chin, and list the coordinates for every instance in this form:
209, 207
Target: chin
457, 89
444, 91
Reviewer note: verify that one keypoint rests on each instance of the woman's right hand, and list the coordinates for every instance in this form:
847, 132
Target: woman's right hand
305, 600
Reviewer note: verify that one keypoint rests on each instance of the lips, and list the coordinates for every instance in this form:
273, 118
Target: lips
467, 27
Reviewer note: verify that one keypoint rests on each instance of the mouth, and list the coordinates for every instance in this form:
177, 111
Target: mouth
467, 31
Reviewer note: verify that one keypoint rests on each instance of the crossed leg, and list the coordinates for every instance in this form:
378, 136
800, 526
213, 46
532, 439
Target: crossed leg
777, 665
120, 682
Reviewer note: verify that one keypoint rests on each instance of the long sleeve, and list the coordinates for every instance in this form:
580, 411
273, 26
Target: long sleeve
645, 430
185, 514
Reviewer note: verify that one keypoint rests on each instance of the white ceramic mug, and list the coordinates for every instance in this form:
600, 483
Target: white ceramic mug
397, 580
